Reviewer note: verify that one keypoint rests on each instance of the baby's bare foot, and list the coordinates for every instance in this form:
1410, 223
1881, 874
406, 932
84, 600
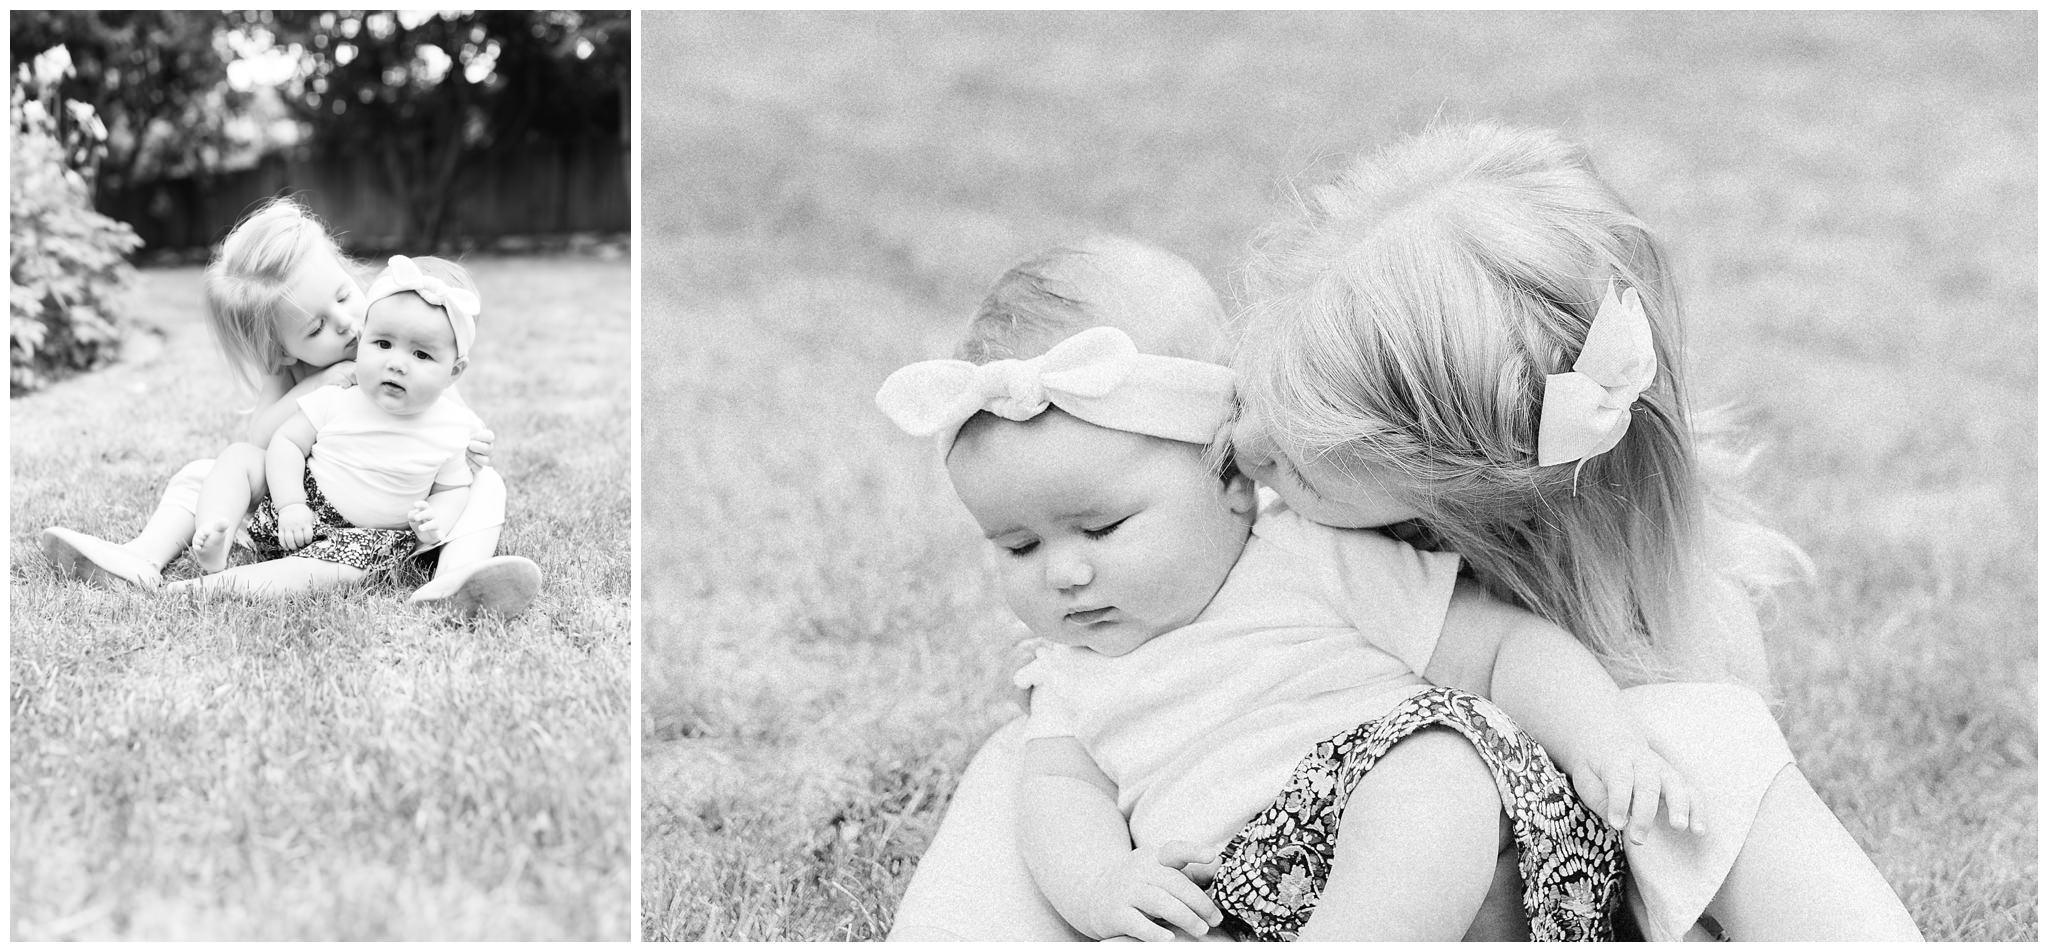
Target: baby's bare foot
89, 557
210, 543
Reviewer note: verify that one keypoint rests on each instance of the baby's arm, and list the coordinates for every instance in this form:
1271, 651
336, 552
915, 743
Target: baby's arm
279, 400
284, 468
1078, 848
1557, 691
433, 518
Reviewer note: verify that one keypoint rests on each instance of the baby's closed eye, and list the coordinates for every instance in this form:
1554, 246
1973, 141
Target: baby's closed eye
1101, 531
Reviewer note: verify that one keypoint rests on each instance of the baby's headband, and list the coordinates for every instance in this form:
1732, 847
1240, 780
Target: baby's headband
403, 274
1097, 375
1586, 411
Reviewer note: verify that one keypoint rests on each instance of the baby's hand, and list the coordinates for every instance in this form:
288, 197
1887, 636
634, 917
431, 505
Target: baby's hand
427, 524
480, 448
1624, 783
294, 526
1151, 884
341, 373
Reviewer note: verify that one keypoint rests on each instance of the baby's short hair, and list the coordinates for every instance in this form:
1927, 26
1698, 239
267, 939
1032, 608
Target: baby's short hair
1155, 296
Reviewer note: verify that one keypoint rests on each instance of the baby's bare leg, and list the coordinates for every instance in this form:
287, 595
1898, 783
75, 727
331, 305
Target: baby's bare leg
1417, 847
236, 480
1503, 918
274, 579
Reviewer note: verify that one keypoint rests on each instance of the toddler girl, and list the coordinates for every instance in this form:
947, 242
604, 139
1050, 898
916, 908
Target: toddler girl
387, 470
285, 311
1428, 344
1194, 656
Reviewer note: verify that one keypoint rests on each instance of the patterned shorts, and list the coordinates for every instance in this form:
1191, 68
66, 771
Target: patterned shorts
334, 540
1273, 872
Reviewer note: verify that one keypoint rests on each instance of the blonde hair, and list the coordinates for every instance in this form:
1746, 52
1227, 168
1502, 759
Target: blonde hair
1404, 322
248, 284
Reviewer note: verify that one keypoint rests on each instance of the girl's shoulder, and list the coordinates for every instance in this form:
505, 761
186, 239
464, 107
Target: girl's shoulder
272, 387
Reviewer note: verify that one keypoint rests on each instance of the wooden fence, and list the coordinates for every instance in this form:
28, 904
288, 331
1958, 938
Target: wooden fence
580, 187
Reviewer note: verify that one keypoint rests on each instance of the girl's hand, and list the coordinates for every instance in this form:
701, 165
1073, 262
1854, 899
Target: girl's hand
294, 526
1153, 884
1625, 783
427, 524
341, 373
480, 448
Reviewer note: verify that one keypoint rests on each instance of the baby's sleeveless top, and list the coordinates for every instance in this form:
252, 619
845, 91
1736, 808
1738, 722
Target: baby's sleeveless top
1315, 631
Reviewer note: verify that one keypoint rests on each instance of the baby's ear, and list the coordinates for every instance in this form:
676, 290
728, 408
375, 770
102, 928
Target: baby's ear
1241, 493
455, 370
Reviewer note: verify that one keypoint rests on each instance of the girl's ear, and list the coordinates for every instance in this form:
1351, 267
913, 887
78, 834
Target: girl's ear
455, 370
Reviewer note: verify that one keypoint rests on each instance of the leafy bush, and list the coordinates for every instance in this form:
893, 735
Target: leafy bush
69, 261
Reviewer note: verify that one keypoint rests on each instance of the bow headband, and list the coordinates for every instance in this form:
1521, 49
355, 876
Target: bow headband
1097, 375
403, 274
1586, 411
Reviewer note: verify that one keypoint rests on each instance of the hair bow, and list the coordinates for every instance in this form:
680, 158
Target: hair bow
403, 274
1586, 411
1097, 375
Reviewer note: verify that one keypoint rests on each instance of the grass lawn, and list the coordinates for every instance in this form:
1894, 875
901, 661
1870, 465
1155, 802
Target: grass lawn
1850, 201
342, 765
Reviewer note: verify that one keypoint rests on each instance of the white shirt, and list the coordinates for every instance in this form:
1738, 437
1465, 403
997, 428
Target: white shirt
1315, 631
373, 465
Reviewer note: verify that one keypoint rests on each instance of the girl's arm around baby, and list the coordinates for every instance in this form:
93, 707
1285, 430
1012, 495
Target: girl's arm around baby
1556, 690
279, 401
1078, 847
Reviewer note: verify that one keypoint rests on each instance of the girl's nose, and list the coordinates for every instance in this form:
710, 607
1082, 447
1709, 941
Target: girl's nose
1251, 445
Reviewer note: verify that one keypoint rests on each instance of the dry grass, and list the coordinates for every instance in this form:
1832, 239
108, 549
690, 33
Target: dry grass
341, 766
1850, 201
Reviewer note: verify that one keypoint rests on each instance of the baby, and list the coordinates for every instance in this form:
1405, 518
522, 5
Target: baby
1211, 673
362, 475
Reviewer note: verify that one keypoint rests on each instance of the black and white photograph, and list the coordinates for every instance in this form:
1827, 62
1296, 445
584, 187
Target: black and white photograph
321, 475
1084, 453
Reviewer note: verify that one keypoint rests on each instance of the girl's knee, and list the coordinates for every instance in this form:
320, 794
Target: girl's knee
487, 480
486, 497
242, 454
193, 472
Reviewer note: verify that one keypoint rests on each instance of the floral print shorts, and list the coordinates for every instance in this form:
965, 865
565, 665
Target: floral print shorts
334, 540
1273, 872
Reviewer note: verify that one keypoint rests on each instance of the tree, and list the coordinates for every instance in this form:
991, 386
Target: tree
421, 94
156, 78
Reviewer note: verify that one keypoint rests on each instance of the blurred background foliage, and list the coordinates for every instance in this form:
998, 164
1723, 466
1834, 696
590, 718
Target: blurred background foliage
67, 263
